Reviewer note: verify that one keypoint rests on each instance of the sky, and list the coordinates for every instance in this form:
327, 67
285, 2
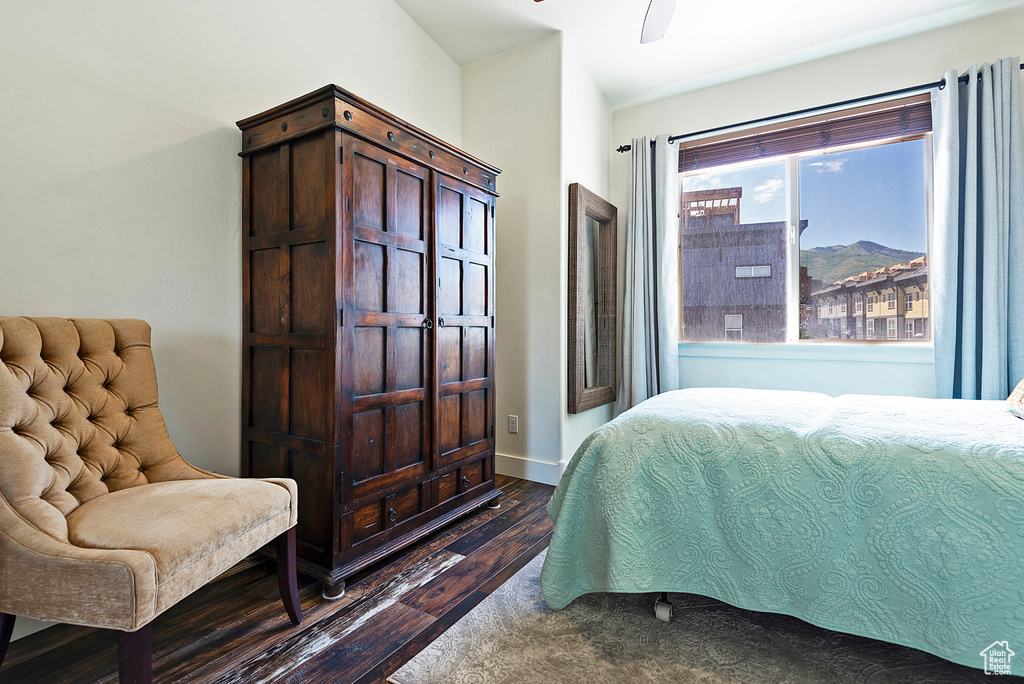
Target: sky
873, 193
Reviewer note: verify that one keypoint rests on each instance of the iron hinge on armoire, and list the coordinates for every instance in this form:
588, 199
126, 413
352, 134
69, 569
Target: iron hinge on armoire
383, 415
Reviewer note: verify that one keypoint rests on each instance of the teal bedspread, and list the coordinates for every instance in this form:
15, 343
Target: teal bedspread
895, 518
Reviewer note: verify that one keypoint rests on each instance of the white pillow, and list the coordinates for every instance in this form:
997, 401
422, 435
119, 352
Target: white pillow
1015, 404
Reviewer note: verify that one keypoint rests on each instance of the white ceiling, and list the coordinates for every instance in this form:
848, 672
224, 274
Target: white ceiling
708, 42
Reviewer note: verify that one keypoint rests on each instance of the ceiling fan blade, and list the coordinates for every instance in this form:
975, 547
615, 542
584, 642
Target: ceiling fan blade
659, 14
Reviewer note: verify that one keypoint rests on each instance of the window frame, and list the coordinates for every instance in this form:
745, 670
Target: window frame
792, 219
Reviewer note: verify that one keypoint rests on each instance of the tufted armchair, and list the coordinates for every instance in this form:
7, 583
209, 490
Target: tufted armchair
102, 522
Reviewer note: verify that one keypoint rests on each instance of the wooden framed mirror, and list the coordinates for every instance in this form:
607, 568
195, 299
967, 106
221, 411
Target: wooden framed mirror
592, 337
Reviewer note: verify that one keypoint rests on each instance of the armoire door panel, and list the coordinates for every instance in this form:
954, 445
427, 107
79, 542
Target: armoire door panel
409, 199
368, 452
409, 355
448, 216
449, 294
369, 192
474, 417
390, 348
474, 232
369, 359
476, 352
410, 272
449, 352
408, 438
310, 306
462, 219
268, 211
370, 278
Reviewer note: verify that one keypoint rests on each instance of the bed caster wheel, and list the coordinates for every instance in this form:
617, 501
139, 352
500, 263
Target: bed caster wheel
663, 609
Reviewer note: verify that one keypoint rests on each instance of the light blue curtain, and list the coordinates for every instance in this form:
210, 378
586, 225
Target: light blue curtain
978, 241
650, 307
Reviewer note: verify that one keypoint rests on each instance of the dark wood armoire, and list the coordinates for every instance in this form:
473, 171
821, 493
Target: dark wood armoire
368, 326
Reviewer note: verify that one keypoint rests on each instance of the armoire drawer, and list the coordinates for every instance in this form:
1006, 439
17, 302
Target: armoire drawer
377, 516
453, 484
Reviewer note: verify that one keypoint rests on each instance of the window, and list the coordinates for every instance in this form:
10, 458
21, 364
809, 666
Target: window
860, 328
908, 328
753, 271
734, 328
871, 328
842, 325
908, 302
892, 328
812, 229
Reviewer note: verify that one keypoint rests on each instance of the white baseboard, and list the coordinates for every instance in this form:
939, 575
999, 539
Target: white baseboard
528, 469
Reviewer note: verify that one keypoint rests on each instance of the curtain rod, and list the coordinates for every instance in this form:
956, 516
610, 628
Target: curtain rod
810, 110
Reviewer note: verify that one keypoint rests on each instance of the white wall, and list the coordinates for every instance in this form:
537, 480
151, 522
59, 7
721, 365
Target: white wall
900, 63
511, 116
120, 187
537, 114
586, 146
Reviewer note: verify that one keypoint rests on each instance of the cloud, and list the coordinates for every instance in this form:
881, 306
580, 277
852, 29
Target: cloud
831, 166
702, 182
768, 190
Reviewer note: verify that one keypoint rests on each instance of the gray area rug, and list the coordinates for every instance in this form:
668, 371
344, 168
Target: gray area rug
512, 637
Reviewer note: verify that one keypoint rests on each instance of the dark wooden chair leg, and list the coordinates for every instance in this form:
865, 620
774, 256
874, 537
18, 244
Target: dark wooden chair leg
287, 581
135, 655
6, 630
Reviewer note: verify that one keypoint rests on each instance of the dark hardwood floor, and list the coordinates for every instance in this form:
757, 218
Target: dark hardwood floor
236, 630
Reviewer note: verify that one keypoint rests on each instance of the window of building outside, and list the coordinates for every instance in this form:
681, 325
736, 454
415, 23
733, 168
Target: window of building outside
734, 328
782, 243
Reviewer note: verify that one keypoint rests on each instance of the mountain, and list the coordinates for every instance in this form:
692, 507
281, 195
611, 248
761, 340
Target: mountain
833, 263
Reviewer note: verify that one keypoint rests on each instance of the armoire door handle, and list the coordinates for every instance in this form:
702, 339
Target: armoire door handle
427, 323
392, 516
440, 322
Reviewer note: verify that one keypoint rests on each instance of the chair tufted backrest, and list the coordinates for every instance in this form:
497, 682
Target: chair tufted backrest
78, 415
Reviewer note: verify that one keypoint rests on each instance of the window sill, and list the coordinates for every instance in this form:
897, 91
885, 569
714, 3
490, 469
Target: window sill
863, 352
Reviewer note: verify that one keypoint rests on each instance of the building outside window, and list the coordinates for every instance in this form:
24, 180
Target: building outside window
783, 232
753, 271
860, 328
892, 328
908, 329
734, 328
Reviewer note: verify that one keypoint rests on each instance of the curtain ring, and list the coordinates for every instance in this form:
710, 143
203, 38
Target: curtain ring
943, 84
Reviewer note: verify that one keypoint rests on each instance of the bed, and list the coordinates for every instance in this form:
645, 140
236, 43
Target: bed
895, 518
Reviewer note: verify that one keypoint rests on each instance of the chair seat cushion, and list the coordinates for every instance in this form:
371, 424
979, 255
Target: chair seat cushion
179, 522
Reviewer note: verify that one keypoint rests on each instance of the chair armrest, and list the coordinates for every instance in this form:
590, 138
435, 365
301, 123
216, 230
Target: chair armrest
48, 579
